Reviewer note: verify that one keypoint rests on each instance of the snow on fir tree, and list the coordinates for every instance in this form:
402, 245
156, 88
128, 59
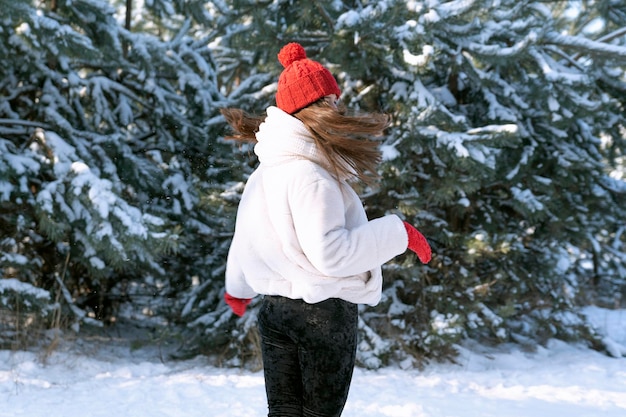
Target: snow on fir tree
106, 141
495, 153
507, 150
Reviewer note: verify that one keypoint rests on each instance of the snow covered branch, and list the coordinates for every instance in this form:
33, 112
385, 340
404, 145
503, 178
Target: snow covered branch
591, 47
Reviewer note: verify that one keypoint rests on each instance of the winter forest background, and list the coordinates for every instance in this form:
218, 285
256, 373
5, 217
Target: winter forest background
118, 191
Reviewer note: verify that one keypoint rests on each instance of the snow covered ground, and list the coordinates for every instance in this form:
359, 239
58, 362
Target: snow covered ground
114, 380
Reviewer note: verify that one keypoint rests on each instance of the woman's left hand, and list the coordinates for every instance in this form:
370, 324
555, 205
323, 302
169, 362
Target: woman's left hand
238, 305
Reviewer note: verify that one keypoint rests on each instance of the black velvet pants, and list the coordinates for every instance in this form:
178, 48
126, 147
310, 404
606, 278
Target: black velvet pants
308, 355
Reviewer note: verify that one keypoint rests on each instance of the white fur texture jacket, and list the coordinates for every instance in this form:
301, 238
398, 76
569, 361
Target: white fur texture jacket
300, 233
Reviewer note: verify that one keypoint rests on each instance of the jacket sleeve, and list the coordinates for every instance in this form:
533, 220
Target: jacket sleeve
235, 282
319, 215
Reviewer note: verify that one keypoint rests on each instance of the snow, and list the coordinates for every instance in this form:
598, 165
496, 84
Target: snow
389, 152
527, 198
16, 286
584, 44
349, 19
5, 191
105, 377
418, 60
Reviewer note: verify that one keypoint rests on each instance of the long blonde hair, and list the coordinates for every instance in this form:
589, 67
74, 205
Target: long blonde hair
346, 140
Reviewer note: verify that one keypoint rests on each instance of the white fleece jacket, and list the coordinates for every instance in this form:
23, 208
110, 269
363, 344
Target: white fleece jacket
300, 233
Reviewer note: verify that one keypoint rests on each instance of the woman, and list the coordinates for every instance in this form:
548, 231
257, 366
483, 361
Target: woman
303, 241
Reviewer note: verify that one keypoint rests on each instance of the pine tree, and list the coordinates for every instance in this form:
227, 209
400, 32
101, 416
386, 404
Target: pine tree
105, 134
242, 78
507, 151
603, 23
498, 154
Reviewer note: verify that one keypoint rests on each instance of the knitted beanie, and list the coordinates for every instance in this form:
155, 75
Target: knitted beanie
303, 81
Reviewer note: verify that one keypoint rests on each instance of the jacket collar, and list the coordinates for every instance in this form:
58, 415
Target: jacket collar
282, 138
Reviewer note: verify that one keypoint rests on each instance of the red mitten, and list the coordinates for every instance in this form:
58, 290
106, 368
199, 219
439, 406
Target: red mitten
238, 305
418, 243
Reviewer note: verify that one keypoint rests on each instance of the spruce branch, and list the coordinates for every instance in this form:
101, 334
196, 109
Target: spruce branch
597, 48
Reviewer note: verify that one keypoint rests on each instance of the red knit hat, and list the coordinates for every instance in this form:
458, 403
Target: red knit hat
303, 81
